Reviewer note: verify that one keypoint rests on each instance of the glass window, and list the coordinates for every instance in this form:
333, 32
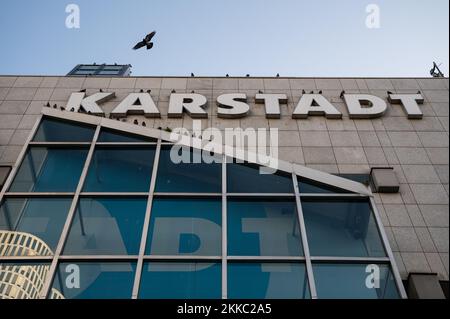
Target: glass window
341, 228
180, 281
185, 227
120, 170
267, 281
247, 178
107, 280
350, 281
263, 228
22, 280
180, 171
52, 130
112, 67
313, 187
109, 72
43, 218
107, 226
45, 169
120, 137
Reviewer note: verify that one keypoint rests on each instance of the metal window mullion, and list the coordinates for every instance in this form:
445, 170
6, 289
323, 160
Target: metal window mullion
47, 286
350, 260
184, 258
332, 195
60, 144
387, 247
145, 229
114, 194
117, 258
39, 194
258, 195
26, 258
224, 230
301, 221
189, 195
266, 258
130, 144
20, 158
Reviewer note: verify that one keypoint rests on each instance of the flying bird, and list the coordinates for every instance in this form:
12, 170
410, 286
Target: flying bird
146, 42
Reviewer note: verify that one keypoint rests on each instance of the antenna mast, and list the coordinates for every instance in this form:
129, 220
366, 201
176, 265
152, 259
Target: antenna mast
436, 72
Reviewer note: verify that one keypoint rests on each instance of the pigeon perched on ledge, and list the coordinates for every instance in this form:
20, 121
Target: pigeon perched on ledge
146, 42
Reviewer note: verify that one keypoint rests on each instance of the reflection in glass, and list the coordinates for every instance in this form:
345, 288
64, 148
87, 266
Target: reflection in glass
41, 217
52, 130
341, 228
312, 187
120, 170
185, 227
24, 281
247, 178
47, 169
348, 281
184, 170
180, 281
267, 281
263, 228
106, 280
109, 136
106, 226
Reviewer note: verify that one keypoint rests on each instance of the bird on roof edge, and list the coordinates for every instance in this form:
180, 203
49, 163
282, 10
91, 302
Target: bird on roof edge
146, 42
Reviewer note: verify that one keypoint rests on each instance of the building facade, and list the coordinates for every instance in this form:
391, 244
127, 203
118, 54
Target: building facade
291, 234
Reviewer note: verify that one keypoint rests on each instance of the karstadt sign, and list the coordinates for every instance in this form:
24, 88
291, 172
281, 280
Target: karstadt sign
234, 105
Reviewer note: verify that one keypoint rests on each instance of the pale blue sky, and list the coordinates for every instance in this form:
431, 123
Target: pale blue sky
215, 37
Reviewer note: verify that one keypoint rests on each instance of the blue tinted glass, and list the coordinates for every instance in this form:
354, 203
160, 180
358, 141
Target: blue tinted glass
185, 227
22, 280
247, 178
341, 228
311, 187
52, 130
50, 170
263, 228
120, 170
106, 226
114, 136
267, 281
180, 281
185, 175
41, 217
348, 281
97, 280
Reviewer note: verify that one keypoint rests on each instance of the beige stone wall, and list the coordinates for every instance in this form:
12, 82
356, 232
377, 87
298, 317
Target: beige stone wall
416, 219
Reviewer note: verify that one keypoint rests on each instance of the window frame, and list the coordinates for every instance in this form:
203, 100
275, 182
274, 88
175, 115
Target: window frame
223, 259
121, 147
